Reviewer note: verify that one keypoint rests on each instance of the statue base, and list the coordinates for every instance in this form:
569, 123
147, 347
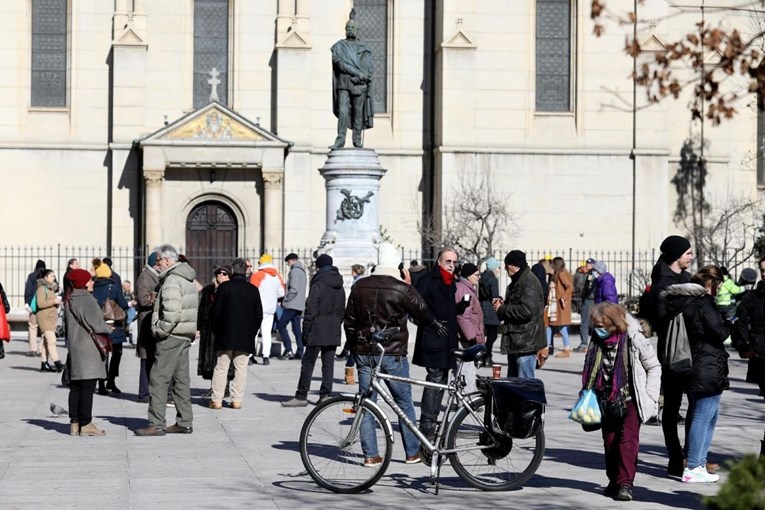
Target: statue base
352, 180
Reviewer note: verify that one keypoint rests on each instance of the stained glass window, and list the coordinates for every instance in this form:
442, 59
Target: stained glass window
49, 53
553, 56
210, 51
372, 18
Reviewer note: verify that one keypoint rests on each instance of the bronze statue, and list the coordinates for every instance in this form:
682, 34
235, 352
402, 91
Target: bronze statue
351, 85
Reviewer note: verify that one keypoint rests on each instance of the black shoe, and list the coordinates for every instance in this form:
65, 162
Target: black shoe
59, 366
253, 361
611, 490
266, 361
655, 421
675, 468
296, 356
286, 355
102, 388
680, 419
45, 367
624, 494
550, 350
342, 356
113, 388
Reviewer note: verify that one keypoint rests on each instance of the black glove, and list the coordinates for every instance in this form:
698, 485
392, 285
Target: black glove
440, 329
462, 306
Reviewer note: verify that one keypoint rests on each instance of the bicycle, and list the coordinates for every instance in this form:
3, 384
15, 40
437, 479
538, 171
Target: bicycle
471, 434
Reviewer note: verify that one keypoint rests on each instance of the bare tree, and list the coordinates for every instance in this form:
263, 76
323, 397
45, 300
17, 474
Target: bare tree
476, 221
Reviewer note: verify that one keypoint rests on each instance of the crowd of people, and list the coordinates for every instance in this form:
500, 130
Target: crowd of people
454, 305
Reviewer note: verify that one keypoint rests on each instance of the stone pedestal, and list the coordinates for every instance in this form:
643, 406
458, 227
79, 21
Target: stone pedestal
353, 192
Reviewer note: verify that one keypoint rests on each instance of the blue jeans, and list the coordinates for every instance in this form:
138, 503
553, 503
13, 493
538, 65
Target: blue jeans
401, 393
703, 412
563, 332
290, 316
522, 366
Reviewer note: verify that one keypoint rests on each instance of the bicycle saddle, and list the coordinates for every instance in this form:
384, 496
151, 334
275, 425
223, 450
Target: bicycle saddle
472, 354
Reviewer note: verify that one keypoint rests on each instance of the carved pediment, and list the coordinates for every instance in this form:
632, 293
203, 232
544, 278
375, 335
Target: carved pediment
211, 123
294, 40
652, 44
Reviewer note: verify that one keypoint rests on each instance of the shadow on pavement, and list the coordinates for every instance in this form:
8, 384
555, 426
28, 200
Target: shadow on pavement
292, 446
307, 486
272, 397
32, 369
61, 427
124, 421
679, 499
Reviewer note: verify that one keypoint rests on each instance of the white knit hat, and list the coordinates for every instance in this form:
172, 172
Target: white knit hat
388, 256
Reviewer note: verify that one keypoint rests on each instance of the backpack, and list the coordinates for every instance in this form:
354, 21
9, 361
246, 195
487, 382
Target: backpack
112, 311
677, 348
33, 304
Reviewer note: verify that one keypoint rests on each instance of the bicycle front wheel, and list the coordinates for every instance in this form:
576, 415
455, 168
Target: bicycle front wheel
331, 449
492, 462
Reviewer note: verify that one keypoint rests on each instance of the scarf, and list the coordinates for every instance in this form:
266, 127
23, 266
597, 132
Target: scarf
446, 276
619, 380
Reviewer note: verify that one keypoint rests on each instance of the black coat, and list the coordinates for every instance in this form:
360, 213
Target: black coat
236, 315
431, 350
749, 333
523, 314
653, 307
324, 309
488, 289
706, 333
207, 358
6, 304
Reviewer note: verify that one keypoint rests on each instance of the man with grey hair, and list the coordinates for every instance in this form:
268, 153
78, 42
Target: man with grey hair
174, 325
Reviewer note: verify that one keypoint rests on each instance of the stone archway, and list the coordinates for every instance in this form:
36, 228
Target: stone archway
211, 237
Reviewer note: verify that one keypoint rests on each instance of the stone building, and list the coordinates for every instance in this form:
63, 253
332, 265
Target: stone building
203, 122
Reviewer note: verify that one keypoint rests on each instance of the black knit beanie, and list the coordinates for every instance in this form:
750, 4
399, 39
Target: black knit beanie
673, 247
516, 258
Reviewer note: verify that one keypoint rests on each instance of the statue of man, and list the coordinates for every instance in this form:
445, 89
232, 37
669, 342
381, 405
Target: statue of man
351, 85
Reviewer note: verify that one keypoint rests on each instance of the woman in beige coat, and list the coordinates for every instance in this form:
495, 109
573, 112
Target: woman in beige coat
559, 307
48, 302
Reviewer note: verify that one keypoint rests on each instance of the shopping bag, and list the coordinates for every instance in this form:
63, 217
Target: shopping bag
5, 329
587, 409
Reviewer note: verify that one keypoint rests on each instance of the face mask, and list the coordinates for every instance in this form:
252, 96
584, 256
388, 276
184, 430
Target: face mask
602, 333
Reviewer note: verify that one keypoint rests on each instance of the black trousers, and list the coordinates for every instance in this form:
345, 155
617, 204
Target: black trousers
491, 336
307, 364
430, 405
81, 401
114, 363
672, 387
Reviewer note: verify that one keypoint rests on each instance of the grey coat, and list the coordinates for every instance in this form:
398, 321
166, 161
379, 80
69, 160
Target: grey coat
175, 309
297, 282
85, 359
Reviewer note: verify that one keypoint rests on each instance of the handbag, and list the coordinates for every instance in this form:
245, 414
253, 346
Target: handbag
112, 311
587, 409
5, 329
102, 341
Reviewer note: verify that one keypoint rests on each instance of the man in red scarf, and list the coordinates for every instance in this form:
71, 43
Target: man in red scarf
437, 336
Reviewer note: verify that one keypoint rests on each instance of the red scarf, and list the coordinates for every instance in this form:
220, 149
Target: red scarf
446, 276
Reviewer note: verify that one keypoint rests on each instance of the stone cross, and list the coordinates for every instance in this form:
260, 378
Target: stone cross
214, 82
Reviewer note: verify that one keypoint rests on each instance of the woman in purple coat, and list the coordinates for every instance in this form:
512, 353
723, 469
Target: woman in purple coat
469, 317
605, 284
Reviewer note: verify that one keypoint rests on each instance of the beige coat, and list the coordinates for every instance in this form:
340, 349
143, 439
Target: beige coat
564, 292
47, 309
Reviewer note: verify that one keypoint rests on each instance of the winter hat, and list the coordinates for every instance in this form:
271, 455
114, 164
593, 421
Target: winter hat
468, 270
749, 275
265, 259
516, 258
673, 247
492, 263
225, 269
152, 261
388, 255
600, 267
79, 278
323, 260
590, 261
291, 256
101, 270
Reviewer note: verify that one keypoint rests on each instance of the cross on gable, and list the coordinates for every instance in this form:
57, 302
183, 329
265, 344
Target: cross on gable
214, 82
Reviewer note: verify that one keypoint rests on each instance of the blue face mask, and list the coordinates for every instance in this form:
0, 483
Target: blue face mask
602, 333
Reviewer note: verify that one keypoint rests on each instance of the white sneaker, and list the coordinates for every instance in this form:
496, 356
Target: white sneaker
698, 475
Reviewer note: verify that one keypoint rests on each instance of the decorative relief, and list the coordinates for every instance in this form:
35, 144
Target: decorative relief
214, 126
352, 207
272, 180
154, 177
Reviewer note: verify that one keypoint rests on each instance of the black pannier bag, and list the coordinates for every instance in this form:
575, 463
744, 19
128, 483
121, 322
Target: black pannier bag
517, 404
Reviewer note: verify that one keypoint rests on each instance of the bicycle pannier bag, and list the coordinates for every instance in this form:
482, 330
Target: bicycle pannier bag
519, 405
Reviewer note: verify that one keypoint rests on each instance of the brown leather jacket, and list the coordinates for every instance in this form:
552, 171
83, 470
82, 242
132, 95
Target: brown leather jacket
387, 300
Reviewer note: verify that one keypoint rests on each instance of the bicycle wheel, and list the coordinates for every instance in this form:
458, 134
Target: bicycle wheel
330, 446
502, 463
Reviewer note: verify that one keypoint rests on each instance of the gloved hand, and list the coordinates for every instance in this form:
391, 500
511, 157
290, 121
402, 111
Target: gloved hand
440, 329
462, 306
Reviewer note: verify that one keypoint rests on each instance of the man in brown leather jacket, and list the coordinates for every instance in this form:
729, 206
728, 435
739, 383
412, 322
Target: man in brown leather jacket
377, 301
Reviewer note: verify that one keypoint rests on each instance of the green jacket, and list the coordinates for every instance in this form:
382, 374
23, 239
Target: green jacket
725, 293
175, 309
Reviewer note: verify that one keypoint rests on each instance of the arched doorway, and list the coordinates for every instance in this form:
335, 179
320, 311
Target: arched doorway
211, 238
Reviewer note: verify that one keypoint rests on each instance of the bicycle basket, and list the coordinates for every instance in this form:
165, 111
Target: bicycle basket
517, 404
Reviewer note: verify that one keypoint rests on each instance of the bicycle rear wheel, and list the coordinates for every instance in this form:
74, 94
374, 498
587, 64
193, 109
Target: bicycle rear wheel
330, 446
501, 462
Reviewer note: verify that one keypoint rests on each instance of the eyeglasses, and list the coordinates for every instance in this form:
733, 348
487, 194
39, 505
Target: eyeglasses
249, 266
450, 262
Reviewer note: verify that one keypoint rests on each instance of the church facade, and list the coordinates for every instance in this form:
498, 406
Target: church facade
203, 123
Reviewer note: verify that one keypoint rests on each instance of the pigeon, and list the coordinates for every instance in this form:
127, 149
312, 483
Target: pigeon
57, 410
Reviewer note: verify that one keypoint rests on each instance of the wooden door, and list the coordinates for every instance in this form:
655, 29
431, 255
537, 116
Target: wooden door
211, 238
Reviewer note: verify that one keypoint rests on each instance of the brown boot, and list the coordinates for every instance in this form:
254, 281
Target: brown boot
565, 353
349, 377
74, 429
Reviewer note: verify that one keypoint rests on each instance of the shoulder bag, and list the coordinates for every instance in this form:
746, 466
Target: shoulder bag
102, 341
112, 311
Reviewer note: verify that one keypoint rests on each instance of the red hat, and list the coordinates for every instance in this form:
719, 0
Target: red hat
79, 278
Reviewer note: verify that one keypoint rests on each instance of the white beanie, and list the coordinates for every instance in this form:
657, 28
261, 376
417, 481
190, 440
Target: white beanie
388, 256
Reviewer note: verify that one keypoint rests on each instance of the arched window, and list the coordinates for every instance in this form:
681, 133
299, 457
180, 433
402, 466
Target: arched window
372, 17
554, 61
210, 51
49, 53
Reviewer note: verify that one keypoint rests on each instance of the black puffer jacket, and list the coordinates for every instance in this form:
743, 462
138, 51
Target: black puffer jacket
706, 332
522, 313
388, 301
324, 308
749, 333
431, 350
